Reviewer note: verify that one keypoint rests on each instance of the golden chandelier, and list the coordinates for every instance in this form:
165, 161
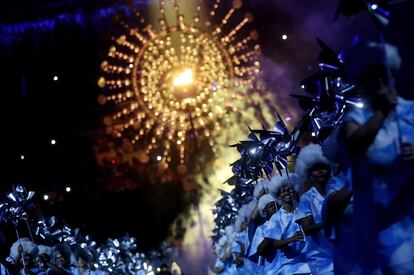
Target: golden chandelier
176, 82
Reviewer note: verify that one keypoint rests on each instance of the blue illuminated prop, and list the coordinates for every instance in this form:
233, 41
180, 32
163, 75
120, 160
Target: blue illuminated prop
324, 110
17, 206
264, 150
115, 256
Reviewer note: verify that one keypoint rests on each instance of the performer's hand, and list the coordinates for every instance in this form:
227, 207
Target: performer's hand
407, 151
298, 236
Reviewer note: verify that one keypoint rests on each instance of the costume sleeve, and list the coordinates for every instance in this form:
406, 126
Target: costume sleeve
257, 240
274, 228
335, 184
236, 248
304, 207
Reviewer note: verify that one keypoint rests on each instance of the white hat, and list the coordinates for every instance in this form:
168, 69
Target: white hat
277, 181
308, 157
264, 201
28, 246
244, 214
364, 55
43, 249
260, 185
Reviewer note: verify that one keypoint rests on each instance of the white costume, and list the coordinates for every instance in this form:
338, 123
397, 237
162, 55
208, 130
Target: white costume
319, 250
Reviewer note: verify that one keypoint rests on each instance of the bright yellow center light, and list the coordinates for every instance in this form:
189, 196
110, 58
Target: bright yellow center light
184, 78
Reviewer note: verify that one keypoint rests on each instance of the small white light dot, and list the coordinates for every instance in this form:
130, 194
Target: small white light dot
302, 86
53, 142
360, 105
159, 158
284, 37
45, 197
55, 78
374, 6
22, 157
313, 134
68, 189
131, 65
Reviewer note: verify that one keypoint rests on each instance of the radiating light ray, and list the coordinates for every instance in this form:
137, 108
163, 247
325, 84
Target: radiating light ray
174, 84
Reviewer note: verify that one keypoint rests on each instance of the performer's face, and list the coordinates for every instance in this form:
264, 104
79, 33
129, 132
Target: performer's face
81, 262
59, 260
319, 174
270, 209
286, 193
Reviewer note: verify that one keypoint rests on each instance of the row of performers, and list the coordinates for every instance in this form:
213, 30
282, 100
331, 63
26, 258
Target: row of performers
356, 218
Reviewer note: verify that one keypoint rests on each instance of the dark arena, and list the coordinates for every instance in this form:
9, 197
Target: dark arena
200, 137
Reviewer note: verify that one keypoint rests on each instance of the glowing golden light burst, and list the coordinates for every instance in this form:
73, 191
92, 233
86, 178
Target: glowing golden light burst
177, 83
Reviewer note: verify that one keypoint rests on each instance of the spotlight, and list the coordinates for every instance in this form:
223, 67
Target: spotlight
53, 142
313, 134
184, 78
284, 37
22, 157
45, 197
68, 189
374, 6
55, 78
159, 158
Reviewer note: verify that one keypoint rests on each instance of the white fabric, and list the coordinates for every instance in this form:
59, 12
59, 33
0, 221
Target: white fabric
260, 185
75, 271
278, 181
236, 247
309, 156
380, 182
291, 259
319, 250
257, 240
264, 201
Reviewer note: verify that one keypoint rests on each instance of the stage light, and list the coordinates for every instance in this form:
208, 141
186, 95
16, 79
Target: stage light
55, 78
360, 105
53, 142
159, 158
184, 78
22, 157
45, 197
68, 189
284, 37
374, 6
313, 134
